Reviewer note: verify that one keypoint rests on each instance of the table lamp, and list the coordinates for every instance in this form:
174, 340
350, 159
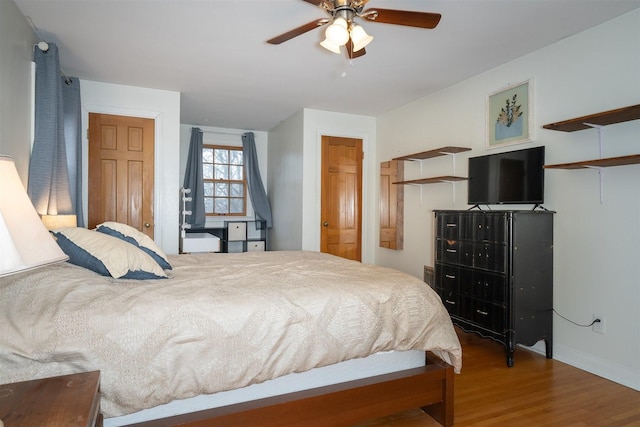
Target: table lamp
25, 243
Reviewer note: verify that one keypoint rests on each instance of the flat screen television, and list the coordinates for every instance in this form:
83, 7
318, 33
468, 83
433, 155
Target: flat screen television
512, 177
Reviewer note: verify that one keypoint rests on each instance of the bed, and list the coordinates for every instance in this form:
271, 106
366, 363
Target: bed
227, 324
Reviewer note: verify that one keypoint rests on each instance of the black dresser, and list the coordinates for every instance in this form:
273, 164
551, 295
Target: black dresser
494, 273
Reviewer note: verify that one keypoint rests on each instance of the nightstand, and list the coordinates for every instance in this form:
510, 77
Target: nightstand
67, 400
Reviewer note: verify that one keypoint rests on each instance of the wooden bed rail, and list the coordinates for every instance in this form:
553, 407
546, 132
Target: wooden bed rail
428, 387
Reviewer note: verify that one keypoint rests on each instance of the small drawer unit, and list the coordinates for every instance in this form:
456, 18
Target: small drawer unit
494, 273
245, 236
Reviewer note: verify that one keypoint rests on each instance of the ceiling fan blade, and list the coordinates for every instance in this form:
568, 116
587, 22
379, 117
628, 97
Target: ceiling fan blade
297, 31
350, 53
402, 17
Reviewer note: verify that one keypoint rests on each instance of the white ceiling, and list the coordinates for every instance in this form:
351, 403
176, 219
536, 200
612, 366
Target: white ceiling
214, 52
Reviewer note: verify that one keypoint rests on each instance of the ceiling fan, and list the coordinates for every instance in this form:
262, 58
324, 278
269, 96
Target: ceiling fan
344, 31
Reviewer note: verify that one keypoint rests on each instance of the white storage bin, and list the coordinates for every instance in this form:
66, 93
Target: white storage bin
256, 246
236, 231
200, 242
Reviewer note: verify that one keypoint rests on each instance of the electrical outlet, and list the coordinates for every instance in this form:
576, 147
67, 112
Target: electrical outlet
599, 327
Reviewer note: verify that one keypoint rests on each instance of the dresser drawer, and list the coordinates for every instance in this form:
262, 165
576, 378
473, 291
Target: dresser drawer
455, 226
489, 256
488, 316
451, 301
489, 287
450, 251
490, 227
449, 226
447, 277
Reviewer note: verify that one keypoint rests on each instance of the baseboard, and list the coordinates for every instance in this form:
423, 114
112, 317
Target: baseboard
595, 365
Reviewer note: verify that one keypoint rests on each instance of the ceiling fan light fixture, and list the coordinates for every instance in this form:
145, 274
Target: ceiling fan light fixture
340, 28
359, 37
337, 33
326, 43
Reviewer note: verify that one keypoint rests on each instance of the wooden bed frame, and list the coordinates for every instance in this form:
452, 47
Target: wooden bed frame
429, 387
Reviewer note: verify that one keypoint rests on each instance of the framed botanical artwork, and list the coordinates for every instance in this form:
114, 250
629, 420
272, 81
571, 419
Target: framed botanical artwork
510, 115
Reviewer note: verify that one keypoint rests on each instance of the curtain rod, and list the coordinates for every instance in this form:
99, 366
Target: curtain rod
44, 46
223, 132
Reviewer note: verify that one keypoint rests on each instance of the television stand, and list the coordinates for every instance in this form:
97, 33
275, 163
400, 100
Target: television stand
475, 206
537, 205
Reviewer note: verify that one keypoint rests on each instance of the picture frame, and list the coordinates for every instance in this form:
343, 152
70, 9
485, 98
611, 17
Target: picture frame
510, 115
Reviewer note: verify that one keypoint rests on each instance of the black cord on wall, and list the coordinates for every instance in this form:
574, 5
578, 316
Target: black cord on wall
575, 323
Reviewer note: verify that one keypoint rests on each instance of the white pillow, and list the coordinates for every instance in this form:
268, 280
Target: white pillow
106, 255
131, 235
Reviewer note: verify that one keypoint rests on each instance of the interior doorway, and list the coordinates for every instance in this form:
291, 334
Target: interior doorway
121, 171
341, 197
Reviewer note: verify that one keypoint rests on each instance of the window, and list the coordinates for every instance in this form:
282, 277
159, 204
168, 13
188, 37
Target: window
224, 180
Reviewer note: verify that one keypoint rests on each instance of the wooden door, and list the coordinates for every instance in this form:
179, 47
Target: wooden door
121, 169
341, 203
391, 204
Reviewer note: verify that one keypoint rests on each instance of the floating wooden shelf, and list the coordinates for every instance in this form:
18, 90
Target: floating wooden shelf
432, 180
433, 153
443, 151
598, 121
599, 163
437, 152
601, 119
610, 117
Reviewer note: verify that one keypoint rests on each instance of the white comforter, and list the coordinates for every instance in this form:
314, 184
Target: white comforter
222, 321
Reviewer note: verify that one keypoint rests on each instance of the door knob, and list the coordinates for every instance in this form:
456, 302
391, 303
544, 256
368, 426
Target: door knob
146, 224
325, 224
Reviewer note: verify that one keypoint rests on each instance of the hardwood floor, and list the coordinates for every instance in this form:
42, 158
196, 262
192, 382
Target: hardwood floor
534, 392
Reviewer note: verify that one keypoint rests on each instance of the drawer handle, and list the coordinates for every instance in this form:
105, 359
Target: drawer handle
451, 224
484, 313
450, 302
449, 276
453, 251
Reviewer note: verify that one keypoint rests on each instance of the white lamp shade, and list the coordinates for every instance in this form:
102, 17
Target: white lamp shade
359, 37
326, 43
337, 32
25, 243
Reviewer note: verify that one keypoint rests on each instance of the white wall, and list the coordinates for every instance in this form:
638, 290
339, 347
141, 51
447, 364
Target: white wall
230, 138
596, 246
164, 108
16, 56
285, 183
